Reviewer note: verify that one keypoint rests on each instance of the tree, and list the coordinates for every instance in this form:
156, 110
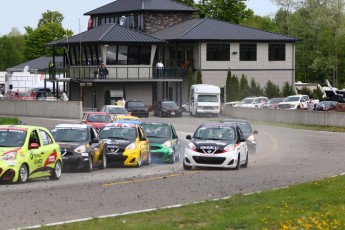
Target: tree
191, 80
254, 88
288, 89
11, 49
244, 87
199, 77
49, 29
271, 90
54, 17
227, 10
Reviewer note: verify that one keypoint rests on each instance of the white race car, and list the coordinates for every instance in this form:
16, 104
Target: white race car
216, 145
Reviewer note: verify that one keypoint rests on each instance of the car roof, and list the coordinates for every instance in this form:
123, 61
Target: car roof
219, 124
79, 126
122, 125
96, 113
155, 123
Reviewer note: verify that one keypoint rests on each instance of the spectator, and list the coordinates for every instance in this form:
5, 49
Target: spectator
64, 96
160, 69
103, 71
51, 69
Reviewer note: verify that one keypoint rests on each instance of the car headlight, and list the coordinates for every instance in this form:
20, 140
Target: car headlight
230, 148
131, 146
81, 149
191, 146
9, 156
167, 144
251, 138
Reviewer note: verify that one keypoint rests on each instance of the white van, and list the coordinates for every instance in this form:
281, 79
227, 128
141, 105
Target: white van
204, 99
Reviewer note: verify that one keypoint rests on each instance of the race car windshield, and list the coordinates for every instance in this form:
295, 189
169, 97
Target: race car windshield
70, 135
215, 133
12, 138
157, 130
118, 133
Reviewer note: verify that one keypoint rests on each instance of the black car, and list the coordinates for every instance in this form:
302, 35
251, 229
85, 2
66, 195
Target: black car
80, 146
247, 131
167, 109
137, 108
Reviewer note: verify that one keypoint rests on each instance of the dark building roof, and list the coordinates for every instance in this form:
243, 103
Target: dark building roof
215, 30
39, 64
132, 6
107, 34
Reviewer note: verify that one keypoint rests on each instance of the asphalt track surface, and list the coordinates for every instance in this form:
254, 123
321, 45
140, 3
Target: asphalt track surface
284, 157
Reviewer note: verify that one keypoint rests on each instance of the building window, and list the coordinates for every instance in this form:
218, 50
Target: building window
218, 52
248, 52
128, 55
276, 52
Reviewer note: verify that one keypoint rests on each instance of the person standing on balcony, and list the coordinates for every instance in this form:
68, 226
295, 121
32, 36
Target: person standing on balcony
160, 68
51, 69
103, 71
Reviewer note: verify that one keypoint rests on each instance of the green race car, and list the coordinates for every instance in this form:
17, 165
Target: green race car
164, 142
28, 152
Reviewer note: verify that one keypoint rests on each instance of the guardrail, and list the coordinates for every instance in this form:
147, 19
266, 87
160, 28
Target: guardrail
303, 117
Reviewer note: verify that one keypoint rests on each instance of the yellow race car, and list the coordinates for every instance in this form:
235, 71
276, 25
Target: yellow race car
28, 152
126, 144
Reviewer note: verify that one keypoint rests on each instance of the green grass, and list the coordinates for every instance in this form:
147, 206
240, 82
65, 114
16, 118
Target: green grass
316, 205
9, 121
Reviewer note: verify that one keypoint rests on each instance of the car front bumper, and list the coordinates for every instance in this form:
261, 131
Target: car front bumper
221, 160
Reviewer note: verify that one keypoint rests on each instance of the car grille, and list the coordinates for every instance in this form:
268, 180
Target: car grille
155, 147
156, 155
209, 160
209, 151
284, 106
208, 107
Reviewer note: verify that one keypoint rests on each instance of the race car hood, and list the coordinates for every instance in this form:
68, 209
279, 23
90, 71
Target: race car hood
70, 145
158, 140
117, 142
212, 143
7, 149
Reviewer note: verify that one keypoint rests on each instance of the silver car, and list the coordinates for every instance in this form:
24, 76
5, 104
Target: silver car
247, 131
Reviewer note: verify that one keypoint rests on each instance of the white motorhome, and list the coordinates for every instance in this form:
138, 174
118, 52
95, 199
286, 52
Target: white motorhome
204, 99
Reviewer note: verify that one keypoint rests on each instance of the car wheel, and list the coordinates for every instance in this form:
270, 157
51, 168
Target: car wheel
186, 167
173, 159
148, 162
56, 172
104, 161
90, 165
23, 174
139, 161
245, 165
238, 162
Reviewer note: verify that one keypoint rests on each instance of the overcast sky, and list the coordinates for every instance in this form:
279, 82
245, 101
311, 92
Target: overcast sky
21, 13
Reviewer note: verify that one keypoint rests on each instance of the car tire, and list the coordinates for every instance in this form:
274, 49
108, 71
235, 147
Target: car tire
238, 163
104, 161
178, 156
148, 162
23, 174
139, 161
56, 172
173, 159
89, 165
186, 167
245, 165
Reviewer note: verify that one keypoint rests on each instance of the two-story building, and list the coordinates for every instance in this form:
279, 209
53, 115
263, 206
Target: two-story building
131, 36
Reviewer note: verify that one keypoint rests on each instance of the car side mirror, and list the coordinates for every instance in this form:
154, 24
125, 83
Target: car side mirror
242, 139
143, 138
189, 137
255, 132
96, 140
34, 146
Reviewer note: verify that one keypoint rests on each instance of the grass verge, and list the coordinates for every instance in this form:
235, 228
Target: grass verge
316, 205
9, 121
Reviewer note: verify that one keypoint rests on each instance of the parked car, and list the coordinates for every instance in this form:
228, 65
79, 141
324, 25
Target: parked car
252, 102
40, 91
28, 152
126, 144
326, 105
216, 145
295, 102
18, 95
96, 119
80, 146
167, 108
164, 142
247, 131
114, 110
137, 108
273, 103
185, 107
129, 119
